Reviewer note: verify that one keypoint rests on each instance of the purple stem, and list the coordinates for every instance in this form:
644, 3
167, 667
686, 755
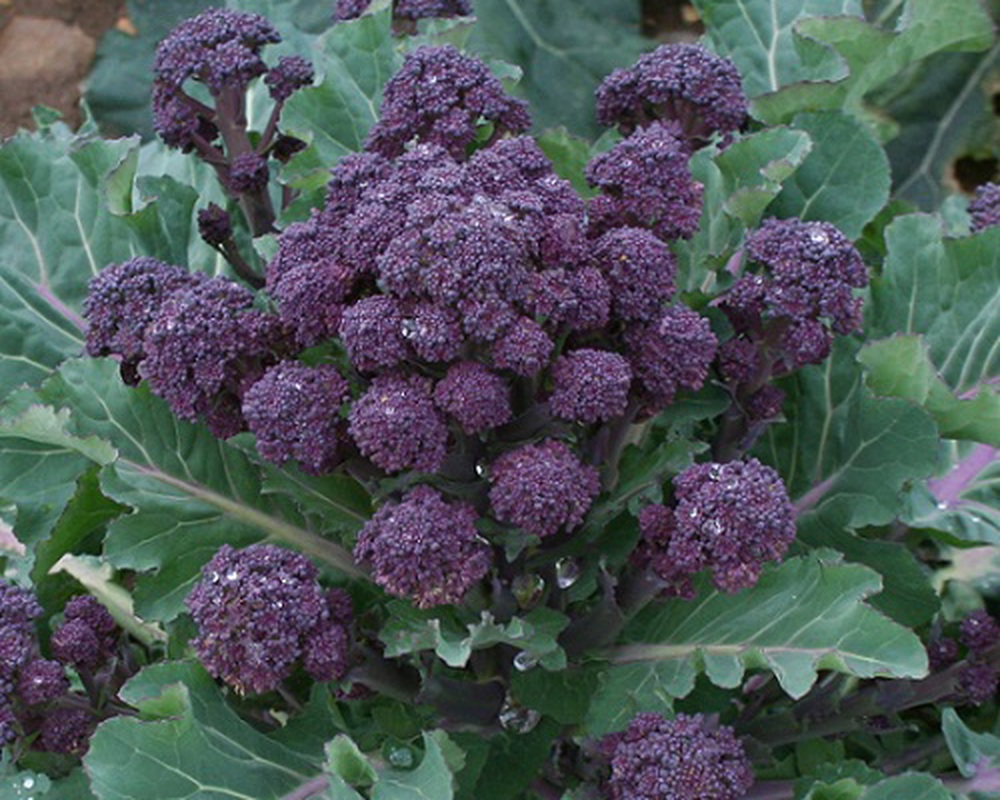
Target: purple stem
46, 294
771, 790
814, 495
311, 788
948, 488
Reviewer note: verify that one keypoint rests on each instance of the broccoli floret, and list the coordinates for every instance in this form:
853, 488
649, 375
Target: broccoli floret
88, 636
580, 299
405, 9
678, 759
41, 680
685, 83
290, 74
524, 348
542, 488
67, 730
984, 209
476, 398
979, 631
639, 269
424, 549
590, 386
372, 332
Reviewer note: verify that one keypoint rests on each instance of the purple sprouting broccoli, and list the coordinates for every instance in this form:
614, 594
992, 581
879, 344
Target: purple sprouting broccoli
942, 652
979, 631
354, 174
679, 759
977, 682
326, 651
405, 9
66, 730
764, 405
542, 488
18, 610
433, 330
671, 354
476, 398
8, 722
424, 549
524, 348
122, 301
590, 386
290, 74
645, 182
580, 299
984, 209
657, 525
294, 412
730, 518
372, 332
257, 610
309, 280
686, 83
88, 635
396, 425
639, 269
806, 294
440, 96
214, 225
41, 680
205, 347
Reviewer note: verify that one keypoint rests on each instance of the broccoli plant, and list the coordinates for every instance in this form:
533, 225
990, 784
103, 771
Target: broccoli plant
364, 437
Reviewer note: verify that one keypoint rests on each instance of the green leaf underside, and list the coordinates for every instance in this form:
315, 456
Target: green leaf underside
196, 745
802, 616
432, 780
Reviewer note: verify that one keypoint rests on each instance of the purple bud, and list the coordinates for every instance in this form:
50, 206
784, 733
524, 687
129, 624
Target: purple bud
639, 269
41, 680
214, 225
590, 386
372, 332
66, 730
477, 398
289, 75
248, 173
523, 349
979, 631
984, 210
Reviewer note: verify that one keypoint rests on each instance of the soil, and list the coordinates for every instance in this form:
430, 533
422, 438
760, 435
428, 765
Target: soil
46, 49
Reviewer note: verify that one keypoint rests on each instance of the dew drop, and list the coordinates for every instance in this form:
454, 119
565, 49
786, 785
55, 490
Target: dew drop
518, 719
400, 757
409, 328
232, 575
942, 506
715, 472
567, 572
482, 469
28, 783
693, 513
524, 661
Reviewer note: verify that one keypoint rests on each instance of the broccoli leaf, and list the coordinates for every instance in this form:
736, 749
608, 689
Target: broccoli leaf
188, 742
629, 689
971, 751
914, 786
431, 779
803, 616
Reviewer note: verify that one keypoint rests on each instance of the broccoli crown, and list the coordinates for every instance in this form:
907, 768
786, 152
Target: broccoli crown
66, 730
977, 682
41, 680
424, 549
88, 636
731, 518
290, 74
18, 608
645, 182
396, 425
764, 404
679, 759
433, 331
372, 332
406, 9
439, 96
248, 172
942, 652
542, 488
8, 722
122, 301
257, 611
214, 225
979, 631
590, 385
204, 347
671, 354
218, 48
475, 397
580, 299
16, 648
682, 82
984, 209
639, 269
524, 348
293, 411
739, 360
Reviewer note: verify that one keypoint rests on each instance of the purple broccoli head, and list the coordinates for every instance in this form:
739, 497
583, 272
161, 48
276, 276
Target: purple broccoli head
645, 182
66, 730
672, 354
686, 83
123, 300
433, 330
679, 759
731, 518
424, 549
372, 332
205, 347
577, 298
476, 398
590, 386
542, 488
523, 349
405, 9
18, 608
639, 269
214, 225
979, 631
440, 96
41, 680
88, 636
290, 74
256, 611
294, 412
396, 425
984, 209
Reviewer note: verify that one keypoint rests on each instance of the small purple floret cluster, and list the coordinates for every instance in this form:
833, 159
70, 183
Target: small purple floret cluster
260, 611
984, 208
679, 759
37, 703
405, 9
730, 518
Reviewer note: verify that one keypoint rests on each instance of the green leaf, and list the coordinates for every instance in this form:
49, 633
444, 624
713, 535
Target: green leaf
912, 786
944, 112
190, 492
563, 695
201, 748
873, 57
412, 631
901, 367
845, 178
432, 780
56, 236
629, 689
971, 751
803, 616
354, 60
757, 35
512, 761
343, 758
335, 502
569, 155
564, 56
844, 452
